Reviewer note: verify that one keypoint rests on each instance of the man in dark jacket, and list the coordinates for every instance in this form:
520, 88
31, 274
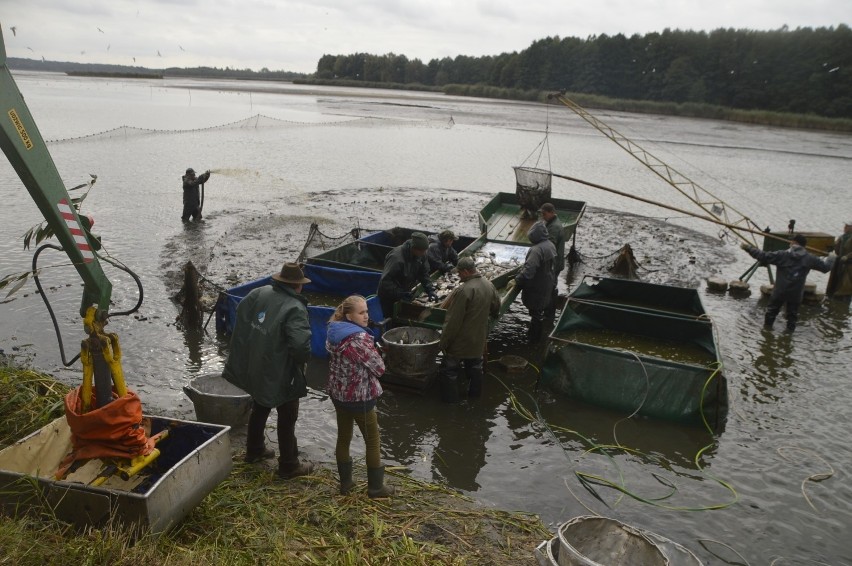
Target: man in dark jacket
405, 266
191, 198
441, 255
793, 267
269, 348
536, 278
465, 331
840, 281
556, 234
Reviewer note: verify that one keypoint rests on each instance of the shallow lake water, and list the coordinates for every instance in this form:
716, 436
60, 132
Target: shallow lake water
285, 156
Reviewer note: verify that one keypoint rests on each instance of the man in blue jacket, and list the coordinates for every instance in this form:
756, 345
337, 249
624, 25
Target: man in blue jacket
793, 264
269, 348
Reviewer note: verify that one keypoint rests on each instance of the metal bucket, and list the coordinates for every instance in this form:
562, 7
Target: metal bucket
411, 350
218, 401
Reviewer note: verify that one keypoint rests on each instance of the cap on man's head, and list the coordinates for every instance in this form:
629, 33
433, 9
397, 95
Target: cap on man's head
466, 263
291, 273
547, 207
419, 241
801, 240
447, 235
190, 171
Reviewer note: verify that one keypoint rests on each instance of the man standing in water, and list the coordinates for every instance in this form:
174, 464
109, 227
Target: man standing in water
536, 279
269, 349
465, 331
556, 234
840, 281
191, 197
793, 265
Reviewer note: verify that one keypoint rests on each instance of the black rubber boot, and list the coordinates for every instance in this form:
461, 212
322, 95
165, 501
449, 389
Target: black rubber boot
344, 470
475, 388
376, 487
449, 388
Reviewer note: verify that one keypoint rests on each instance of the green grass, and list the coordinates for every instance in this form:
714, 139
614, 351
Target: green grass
254, 518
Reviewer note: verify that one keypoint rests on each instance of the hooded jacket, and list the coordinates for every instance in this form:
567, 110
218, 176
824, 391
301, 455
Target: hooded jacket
556, 234
441, 258
840, 280
402, 271
354, 366
270, 345
793, 264
466, 323
191, 195
536, 278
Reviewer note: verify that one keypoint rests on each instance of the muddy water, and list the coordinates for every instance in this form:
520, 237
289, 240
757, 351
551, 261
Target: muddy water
379, 159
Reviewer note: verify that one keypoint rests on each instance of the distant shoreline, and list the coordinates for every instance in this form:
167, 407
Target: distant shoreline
114, 75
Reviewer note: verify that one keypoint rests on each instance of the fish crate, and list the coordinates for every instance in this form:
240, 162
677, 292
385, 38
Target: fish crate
433, 316
821, 242
194, 458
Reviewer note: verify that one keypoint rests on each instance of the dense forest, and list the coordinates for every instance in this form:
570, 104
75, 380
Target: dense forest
804, 71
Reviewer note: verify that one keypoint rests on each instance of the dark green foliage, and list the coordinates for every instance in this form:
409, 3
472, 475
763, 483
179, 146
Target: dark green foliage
804, 71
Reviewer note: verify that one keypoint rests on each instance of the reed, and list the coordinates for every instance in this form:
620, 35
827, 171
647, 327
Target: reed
254, 518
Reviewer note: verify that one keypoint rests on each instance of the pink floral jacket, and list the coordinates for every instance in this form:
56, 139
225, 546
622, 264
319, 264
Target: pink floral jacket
354, 365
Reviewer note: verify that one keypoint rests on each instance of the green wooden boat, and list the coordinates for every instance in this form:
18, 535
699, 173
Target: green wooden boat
504, 220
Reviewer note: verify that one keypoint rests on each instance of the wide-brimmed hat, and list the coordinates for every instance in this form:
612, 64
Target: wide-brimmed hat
291, 273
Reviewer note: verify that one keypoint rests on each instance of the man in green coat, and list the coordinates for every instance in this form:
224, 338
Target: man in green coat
269, 348
840, 281
466, 330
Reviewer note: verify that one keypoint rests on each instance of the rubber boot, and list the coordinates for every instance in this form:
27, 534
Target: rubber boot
376, 487
475, 387
344, 470
449, 388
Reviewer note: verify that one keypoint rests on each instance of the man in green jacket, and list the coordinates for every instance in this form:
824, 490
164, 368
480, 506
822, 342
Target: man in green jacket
466, 330
269, 348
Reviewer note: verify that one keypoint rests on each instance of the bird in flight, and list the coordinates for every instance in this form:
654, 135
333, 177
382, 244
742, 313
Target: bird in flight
158, 53
30, 48
82, 52
100, 30
181, 48
13, 28
134, 59
108, 46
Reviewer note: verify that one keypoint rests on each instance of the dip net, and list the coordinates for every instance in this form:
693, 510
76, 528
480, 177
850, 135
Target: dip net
532, 186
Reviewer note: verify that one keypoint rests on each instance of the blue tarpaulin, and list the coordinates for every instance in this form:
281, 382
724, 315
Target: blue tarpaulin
325, 280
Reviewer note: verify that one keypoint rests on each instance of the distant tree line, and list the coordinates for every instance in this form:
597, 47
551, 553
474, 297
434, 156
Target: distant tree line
103, 69
804, 71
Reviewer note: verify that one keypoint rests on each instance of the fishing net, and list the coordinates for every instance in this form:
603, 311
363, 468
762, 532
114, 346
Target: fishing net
533, 189
318, 242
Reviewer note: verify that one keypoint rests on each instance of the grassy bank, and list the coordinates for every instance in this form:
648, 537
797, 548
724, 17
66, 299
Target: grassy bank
591, 101
254, 518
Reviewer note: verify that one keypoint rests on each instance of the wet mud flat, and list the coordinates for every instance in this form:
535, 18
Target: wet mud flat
235, 247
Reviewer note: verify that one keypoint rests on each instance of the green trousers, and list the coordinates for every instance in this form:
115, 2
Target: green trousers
368, 424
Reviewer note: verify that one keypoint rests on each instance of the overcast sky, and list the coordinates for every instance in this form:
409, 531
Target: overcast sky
292, 35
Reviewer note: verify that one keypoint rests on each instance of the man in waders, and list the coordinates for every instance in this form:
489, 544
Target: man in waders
556, 234
793, 264
191, 197
840, 281
465, 330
